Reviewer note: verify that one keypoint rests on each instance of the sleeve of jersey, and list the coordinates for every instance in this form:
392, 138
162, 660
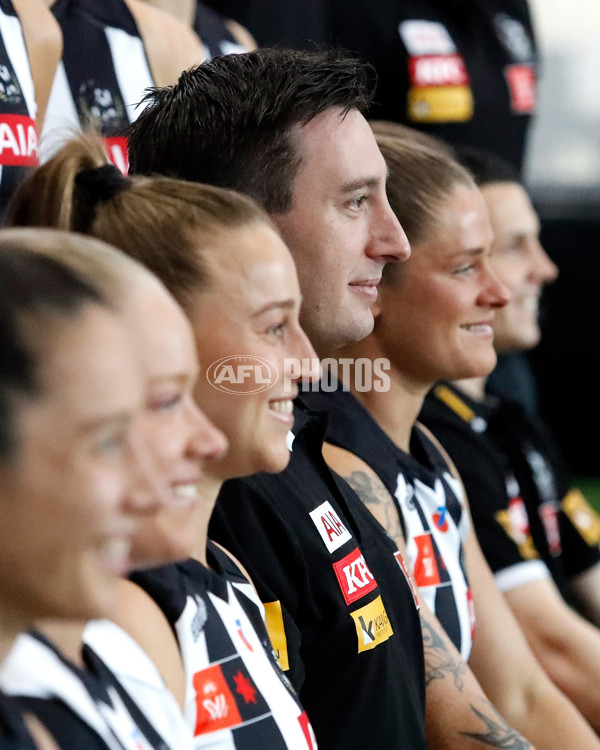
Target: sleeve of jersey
247, 522
508, 549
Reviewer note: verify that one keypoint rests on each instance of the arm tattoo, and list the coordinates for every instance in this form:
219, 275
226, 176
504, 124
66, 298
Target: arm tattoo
438, 660
499, 733
379, 501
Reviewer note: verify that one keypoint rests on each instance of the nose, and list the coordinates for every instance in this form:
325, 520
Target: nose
494, 293
206, 442
389, 242
544, 270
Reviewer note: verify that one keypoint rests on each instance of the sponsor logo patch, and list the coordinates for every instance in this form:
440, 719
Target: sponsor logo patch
426, 38
440, 103
402, 563
515, 523
585, 519
438, 70
372, 625
331, 530
354, 576
549, 518
116, 150
276, 631
215, 705
18, 141
521, 85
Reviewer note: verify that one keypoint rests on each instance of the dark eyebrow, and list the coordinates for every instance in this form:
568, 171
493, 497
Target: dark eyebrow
361, 183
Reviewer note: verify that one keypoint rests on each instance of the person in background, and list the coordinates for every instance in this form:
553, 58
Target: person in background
537, 531
287, 128
219, 35
219, 253
113, 50
30, 50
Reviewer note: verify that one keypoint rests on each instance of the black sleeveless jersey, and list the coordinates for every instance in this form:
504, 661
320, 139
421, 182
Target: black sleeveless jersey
236, 694
461, 70
340, 611
18, 132
101, 78
527, 518
429, 502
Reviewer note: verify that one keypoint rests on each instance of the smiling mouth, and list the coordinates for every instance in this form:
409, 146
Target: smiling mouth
282, 407
186, 495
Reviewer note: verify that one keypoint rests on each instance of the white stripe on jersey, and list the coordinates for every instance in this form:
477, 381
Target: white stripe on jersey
12, 36
131, 68
61, 121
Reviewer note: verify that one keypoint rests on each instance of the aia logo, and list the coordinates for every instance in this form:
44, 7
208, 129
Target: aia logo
331, 529
242, 374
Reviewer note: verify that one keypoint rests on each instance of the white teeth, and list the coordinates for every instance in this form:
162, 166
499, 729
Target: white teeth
186, 490
483, 327
285, 407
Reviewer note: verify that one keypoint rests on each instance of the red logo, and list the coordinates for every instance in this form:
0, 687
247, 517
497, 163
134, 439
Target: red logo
521, 84
307, 729
116, 150
215, 705
18, 141
438, 70
426, 569
549, 518
403, 567
354, 576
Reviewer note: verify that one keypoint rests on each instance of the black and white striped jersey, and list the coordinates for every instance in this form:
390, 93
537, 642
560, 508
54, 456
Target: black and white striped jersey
18, 132
237, 697
102, 76
81, 707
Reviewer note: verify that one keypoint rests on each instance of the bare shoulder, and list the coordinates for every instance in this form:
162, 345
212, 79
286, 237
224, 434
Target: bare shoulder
171, 45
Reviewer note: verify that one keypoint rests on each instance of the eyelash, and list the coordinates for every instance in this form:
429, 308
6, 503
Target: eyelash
165, 404
358, 201
276, 329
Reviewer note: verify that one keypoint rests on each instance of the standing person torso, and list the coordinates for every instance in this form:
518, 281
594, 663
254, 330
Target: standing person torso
462, 70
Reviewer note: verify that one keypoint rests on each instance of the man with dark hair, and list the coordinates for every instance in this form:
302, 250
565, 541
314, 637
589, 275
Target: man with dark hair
288, 129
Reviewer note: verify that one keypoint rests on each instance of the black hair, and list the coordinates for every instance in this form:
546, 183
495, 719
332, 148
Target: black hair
30, 284
230, 121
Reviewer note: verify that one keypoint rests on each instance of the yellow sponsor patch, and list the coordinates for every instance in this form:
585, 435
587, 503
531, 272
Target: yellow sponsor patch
276, 631
583, 516
440, 103
521, 538
372, 625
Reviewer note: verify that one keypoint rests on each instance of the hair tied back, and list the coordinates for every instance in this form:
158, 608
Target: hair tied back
100, 184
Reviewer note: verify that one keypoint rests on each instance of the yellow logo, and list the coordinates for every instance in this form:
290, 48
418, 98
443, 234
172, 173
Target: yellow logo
276, 631
372, 625
440, 103
583, 516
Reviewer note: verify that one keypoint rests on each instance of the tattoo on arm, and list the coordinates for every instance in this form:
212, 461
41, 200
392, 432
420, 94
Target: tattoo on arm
379, 501
499, 733
439, 662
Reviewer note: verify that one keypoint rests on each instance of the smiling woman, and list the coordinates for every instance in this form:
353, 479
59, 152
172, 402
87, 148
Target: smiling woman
70, 397
222, 258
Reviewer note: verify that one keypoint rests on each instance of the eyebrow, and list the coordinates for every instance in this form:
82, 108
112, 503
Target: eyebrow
120, 418
361, 183
286, 304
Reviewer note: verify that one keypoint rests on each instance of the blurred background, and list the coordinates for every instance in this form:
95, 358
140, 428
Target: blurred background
563, 175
